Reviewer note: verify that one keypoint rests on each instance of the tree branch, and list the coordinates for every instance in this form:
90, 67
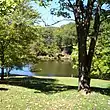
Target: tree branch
94, 38
108, 17
56, 22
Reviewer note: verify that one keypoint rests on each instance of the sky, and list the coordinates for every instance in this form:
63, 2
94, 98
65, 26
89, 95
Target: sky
47, 17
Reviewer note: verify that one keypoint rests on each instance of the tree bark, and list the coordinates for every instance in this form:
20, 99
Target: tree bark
84, 75
96, 28
82, 19
8, 69
2, 73
2, 62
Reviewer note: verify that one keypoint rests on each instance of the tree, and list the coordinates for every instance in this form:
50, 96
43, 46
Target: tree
100, 67
101, 61
45, 44
84, 11
7, 6
16, 34
65, 36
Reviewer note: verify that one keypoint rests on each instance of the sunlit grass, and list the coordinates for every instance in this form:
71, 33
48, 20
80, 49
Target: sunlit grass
38, 93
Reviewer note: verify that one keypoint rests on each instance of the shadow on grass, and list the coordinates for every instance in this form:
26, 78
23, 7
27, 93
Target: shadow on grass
47, 85
3, 89
105, 91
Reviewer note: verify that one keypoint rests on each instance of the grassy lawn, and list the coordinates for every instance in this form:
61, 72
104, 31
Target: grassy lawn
43, 93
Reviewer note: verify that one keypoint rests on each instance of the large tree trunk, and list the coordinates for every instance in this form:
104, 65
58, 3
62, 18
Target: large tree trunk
84, 75
82, 19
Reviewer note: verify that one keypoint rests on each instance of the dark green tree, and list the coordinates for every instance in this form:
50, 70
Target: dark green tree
101, 61
16, 33
65, 36
45, 44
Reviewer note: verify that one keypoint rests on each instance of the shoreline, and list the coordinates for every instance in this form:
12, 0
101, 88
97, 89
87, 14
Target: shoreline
58, 58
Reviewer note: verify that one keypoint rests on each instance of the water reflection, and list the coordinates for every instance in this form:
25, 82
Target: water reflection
49, 68
54, 68
24, 71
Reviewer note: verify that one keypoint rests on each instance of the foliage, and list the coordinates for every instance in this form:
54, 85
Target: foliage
75, 57
7, 6
16, 34
65, 35
49, 41
101, 61
45, 44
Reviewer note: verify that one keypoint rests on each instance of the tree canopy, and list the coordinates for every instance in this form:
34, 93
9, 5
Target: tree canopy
16, 33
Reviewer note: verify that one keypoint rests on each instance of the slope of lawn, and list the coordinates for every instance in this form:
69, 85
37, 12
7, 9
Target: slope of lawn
56, 93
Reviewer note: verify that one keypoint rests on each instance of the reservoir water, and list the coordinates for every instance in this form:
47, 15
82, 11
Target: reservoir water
48, 68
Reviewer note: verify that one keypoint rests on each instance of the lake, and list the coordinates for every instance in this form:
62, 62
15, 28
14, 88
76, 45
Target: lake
48, 68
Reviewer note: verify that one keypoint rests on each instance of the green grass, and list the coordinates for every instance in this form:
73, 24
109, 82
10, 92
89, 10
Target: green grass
43, 93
